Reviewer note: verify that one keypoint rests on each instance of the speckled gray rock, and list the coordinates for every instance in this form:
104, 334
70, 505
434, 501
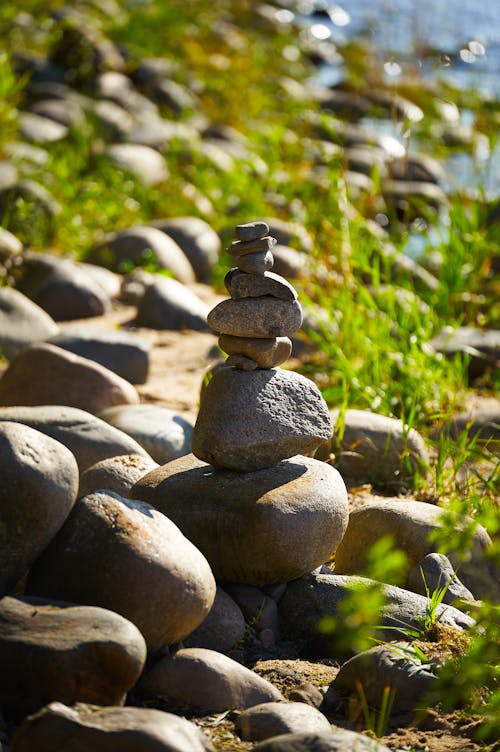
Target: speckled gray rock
64, 652
117, 474
39, 485
435, 572
57, 726
249, 421
62, 377
22, 322
139, 244
256, 528
395, 665
256, 263
256, 317
337, 740
410, 523
124, 353
206, 680
378, 449
273, 718
266, 353
242, 285
168, 304
131, 559
87, 437
198, 240
144, 162
163, 433
251, 230
311, 597
222, 629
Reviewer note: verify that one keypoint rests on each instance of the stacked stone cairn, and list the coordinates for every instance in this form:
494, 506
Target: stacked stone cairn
252, 498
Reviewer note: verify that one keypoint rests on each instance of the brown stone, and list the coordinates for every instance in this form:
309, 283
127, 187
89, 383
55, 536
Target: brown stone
267, 353
244, 247
256, 263
256, 317
242, 285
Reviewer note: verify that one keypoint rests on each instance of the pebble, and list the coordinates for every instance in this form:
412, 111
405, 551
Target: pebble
64, 652
163, 433
250, 421
39, 485
255, 528
256, 263
64, 377
132, 560
22, 322
270, 719
266, 353
168, 304
241, 285
207, 681
108, 729
256, 317
116, 474
251, 231
86, 436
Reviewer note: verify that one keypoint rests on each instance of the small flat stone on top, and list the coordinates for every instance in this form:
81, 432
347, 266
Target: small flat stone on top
244, 247
256, 317
241, 285
251, 230
256, 263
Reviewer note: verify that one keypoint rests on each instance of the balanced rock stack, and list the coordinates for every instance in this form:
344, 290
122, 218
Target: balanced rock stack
259, 510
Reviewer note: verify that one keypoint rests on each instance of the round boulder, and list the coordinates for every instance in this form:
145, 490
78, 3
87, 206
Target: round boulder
116, 474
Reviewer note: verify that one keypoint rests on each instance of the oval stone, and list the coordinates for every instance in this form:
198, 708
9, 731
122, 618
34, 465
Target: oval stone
256, 263
254, 528
267, 353
256, 317
251, 230
242, 285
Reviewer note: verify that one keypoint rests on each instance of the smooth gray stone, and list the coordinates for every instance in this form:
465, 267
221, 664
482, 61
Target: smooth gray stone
40, 129
140, 245
256, 263
337, 740
198, 240
482, 423
22, 322
249, 421
255, 528
273, 718
251, 230
242, 285
114, 121
256, 317
130, 559
117, 474
59, 651
482, 346
107, 280
38, 490
312, 597
59, 727
87, 437
168, 304
435, 572
395, 665
266, 353
67, 112
122, 352
146, 163
164, 434
120, 89
206, 680
222, 629
244, 247
288, 262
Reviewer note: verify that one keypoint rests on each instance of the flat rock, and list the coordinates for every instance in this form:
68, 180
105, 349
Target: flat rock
312, 597
244, 247
337, 740
57, 726
266, 353
62, 377
77, 654
116, 474
168, 304
146, 163
242, 285
138, 246
164, 434
132, 560
256, 317
39, 485
87, 437
258, 527
222, 629
250, 421
207, 681
124, 353
410, 523
378, 449
251, 230
22, 322
273, 718
256, 263
198, 240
